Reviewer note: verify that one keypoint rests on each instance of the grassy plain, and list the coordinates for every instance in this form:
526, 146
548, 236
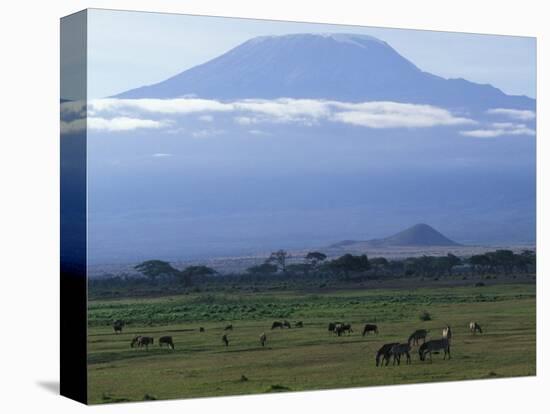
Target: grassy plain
307, 358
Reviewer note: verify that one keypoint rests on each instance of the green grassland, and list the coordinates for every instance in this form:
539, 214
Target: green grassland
307, 358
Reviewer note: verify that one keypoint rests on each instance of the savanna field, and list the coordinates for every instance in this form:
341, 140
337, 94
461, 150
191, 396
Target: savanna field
308, 358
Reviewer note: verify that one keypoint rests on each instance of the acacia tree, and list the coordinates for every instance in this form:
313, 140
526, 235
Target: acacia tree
153, 269
315, 258
279, 259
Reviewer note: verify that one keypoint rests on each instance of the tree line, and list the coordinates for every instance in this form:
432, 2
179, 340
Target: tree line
352, 267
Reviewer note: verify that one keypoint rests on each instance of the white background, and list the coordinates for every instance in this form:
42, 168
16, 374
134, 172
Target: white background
29, 72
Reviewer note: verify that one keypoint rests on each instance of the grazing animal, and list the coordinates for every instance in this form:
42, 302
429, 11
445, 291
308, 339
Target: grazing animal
299, 324
263, 338
370, 328
384, 353
201, 329
166, 340
447, 333
228, 327
331, 327
417, 336
225, 340
434, 346
145, 341
286, 324
276, 324
475, 327
401, 349
135, 341
342, 328
118, 325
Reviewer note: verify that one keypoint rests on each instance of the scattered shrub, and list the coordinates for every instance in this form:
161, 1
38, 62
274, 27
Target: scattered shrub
278, 388
425, 316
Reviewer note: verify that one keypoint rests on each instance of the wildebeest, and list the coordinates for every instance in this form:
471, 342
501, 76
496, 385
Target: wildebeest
145, 341
347, 327
166, 340
435, 345
277, 324
286, 324
118, 325
417, 336
401, 349
384, 353
263, 338
370, 328
225, 340
299, 324
475, 327
447, 333
228, 327
201, 329
331, 327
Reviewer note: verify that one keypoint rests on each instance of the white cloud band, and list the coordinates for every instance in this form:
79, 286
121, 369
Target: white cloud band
126, 114
522, 115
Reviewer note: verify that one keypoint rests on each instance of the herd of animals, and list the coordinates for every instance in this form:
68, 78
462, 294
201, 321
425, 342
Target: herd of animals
389, 351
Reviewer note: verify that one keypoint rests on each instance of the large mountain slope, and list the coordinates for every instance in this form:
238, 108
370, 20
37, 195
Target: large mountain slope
343, 67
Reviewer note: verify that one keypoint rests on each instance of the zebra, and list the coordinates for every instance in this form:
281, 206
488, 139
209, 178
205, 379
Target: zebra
384, 353
166, 340
475, 327
435, 345
370, 328
135, 341
225, 340
447, 333
263, 338
332, 327
401, 349
417, 336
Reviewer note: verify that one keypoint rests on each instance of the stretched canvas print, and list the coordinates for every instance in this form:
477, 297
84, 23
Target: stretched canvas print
254, 206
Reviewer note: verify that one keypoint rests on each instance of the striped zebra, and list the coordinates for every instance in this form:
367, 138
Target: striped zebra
384, 353
447, 333
434, 346
401, 349
417, 336
135, 341
475, 327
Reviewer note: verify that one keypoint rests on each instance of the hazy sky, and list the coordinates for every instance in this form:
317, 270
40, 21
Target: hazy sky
186, 178
131, 49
